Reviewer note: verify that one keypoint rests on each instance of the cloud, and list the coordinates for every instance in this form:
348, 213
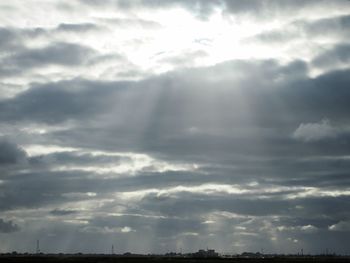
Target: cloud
179, 127
132, 23
77, 159
76, 28
266, 8
309, 229
274, 92
203, 8
63, 100
337, 55
185, 59
8, 226
66, 54
309, 132
271, 37
340, 226
19, 59
7, 38
332, 26
58, 212
10, 153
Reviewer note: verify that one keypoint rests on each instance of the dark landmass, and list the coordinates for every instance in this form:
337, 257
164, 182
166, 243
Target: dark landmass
14, 258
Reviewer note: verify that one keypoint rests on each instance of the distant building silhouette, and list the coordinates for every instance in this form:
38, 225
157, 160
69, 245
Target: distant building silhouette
209, 253
252, 255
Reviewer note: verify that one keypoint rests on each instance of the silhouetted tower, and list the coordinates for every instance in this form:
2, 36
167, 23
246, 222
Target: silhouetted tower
302, 252
112, 249
37, 247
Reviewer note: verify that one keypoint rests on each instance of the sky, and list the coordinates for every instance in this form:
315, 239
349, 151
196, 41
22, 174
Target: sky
174, 125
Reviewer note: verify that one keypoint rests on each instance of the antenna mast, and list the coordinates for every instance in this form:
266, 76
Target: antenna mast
37, 247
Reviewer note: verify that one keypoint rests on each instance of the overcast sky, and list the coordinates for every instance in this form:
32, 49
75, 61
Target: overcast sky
175, 125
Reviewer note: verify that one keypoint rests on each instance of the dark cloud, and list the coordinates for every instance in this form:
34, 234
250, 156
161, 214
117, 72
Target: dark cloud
21, 59
285, 92
32, 190
186, 59
55, 54
8, 226
266, 9
74, 158
63, 100
273, 37
132, 23
335, 56
7, 38
232, 155
58, 212
76, 28
273, 160
333, 26
17, 37
343, 226
10, 153
203, 8
269, 91
191, 204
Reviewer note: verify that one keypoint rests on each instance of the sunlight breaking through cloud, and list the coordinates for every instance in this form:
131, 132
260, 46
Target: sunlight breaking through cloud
174, 125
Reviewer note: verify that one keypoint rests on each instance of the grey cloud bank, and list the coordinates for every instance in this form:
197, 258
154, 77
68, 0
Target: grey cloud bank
118, 135
7, 227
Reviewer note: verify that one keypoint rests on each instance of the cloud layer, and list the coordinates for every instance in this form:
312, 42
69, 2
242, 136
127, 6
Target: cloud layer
123, 124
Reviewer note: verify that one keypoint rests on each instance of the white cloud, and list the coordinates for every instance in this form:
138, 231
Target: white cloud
107, 230
127, 229
310, 132
340, 226
191, 152
309, 229
305, 229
